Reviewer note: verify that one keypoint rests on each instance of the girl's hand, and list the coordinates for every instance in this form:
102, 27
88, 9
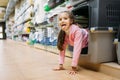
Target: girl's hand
73, 71
60, 68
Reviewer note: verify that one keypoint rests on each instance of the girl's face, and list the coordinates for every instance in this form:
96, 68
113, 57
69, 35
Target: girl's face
64, 21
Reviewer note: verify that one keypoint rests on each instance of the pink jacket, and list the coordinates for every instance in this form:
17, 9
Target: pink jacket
79, 39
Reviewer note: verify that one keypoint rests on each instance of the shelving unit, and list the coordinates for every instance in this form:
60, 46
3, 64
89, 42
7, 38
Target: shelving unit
23, 14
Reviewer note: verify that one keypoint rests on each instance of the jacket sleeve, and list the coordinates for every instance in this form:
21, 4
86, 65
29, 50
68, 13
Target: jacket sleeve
62, 53
78, 39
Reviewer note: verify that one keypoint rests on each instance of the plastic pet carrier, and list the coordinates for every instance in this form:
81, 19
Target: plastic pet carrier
103, 16
100, 14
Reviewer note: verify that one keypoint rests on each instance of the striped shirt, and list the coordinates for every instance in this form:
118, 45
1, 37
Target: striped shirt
78, 38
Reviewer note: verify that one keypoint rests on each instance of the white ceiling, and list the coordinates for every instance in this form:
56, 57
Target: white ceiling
3, 6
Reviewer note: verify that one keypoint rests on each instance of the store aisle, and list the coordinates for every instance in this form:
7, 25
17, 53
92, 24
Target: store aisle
20, 62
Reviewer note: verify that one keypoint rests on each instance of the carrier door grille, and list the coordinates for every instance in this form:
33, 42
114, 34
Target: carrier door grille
113, 14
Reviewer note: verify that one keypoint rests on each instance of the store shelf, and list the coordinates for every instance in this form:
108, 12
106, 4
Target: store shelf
24, 21
52, 49
21, 13
39, 46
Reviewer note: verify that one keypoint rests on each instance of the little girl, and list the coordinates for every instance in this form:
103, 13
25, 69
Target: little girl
73, 35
